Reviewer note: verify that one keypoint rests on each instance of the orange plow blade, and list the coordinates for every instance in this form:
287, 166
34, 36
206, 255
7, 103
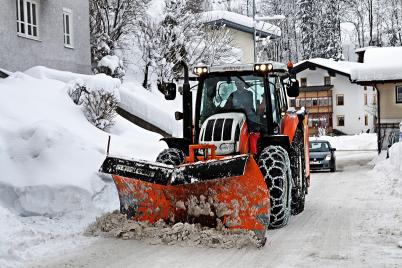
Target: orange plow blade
230, 191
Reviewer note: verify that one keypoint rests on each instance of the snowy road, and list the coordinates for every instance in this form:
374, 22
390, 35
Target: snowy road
346, 223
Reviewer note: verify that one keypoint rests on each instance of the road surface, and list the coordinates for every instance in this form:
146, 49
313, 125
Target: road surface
348, 222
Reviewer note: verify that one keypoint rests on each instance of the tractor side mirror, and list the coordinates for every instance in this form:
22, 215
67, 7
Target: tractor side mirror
292, 88
333, 149
168, 89
178, 116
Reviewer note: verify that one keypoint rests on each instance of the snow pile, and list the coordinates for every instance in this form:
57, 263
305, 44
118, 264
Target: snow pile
390, 170
363, 141
91, 82
151, 106
49, 157
184, 234
379, 64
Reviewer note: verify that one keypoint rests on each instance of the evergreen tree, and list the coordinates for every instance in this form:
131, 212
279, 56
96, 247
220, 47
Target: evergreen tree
329, 43
308, 27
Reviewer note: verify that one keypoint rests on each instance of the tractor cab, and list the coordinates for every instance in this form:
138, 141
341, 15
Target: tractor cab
238, 100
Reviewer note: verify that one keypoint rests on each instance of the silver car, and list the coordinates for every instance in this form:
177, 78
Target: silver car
322, 156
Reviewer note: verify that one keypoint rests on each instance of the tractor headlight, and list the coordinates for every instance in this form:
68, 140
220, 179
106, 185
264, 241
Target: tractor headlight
264, 67
226, 148
270, 67
200, 70
328, 157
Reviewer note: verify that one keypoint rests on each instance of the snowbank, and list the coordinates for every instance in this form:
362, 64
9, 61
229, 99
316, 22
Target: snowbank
364, 141
91, 82
390, 170
49, 158
151, 106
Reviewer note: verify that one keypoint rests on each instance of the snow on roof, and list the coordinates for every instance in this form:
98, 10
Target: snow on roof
240, 20
364, 49
345, 67
380, 64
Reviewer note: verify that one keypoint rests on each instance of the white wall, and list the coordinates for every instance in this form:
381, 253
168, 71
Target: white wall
353, 109
244, 41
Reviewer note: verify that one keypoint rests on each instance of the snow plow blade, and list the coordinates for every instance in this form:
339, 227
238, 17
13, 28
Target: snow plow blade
230, 191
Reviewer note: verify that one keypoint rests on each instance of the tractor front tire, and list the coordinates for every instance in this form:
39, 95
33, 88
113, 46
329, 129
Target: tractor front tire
275, 167
171, 156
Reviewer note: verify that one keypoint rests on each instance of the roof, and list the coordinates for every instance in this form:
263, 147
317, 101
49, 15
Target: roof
240, 22
316, 88
4, 73
340, 67
363, 49
381, 64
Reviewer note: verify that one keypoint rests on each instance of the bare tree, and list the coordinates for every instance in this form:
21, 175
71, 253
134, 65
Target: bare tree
110, 20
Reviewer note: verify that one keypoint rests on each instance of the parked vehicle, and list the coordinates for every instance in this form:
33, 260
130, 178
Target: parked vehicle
322, 156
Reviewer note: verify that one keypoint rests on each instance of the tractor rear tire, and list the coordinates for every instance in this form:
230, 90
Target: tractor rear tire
171, 156
275, 167
297, 164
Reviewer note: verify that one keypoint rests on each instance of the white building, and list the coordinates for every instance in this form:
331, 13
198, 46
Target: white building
242, 30
333, 101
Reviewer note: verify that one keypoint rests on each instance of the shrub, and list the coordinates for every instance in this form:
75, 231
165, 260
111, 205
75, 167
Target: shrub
77, 90
100, 108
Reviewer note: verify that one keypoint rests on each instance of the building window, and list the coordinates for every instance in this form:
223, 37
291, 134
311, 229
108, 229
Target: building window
365, 87
27, 18
339, 100
340, 120
292, 102
398, 94
68, 27
365, 99
366, 120
303, 82
327, 80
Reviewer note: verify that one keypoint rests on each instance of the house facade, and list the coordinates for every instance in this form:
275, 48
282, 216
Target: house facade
242, 31
335, 104
381, 68
53, 33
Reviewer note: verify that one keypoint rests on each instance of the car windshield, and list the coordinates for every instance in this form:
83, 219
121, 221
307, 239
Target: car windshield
243, 93
319, 147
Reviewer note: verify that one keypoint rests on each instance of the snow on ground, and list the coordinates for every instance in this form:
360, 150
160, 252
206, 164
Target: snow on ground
390, 170
350, 220
117, 225
49, 157
363, 141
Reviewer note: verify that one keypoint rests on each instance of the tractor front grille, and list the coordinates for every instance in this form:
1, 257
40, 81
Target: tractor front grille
218, 130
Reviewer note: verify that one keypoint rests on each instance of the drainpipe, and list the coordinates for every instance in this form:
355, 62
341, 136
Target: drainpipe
379, 144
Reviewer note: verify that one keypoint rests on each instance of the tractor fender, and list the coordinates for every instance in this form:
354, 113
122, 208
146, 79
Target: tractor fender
289, 125
179, 143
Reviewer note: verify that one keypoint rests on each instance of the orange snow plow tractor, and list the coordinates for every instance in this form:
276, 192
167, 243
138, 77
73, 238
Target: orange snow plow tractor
243, 164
